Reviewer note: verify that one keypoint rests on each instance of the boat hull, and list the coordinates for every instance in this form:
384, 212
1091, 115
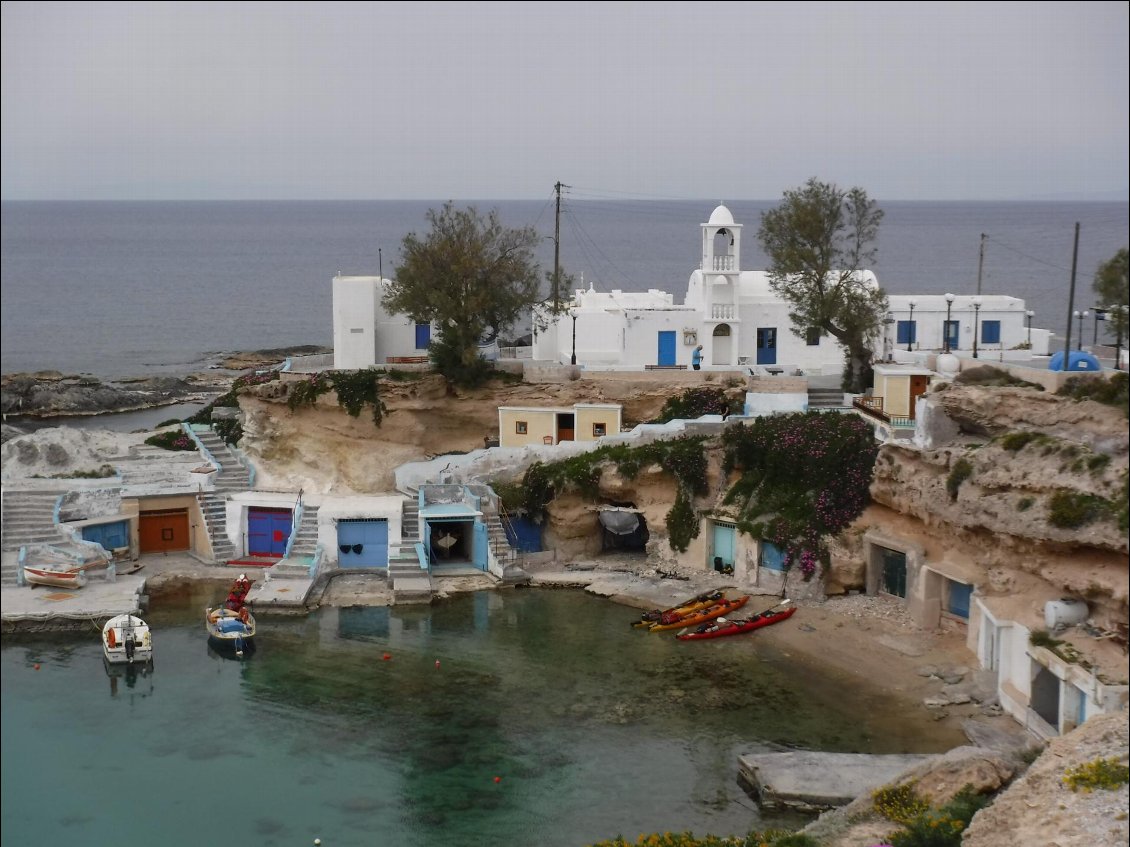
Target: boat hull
228, 631
55, 579
738, 627
702, 601
703, 615
127, 640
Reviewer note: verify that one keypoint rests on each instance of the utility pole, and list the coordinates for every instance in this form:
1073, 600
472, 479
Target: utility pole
1071, 301
557, 251
981, 263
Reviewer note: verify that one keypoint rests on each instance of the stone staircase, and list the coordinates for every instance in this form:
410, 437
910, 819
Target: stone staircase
231, 477
408, 581
29, 518
213, 507
820, 399
302, 550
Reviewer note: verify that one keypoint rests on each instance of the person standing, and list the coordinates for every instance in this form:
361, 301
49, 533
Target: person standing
696, 358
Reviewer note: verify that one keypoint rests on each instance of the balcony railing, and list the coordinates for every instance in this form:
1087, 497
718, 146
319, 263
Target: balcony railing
723, 263
723, 312
873, 407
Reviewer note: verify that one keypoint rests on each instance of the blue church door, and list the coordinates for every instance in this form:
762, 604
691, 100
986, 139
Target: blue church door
767, 345
666, 347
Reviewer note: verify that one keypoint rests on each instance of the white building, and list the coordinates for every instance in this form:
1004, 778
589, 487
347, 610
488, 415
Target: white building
733, 313
364, 333
741, 322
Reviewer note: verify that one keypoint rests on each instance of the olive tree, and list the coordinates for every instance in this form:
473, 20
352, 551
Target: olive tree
1113, 292
470, 276
819, 241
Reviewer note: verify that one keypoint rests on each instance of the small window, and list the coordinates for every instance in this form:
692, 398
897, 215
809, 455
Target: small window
520, 427
991, 332
357, 331
599, 429
812, 336
771, 557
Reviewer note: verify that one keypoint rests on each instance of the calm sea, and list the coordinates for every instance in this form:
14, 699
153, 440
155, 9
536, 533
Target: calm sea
548, 721
123, 289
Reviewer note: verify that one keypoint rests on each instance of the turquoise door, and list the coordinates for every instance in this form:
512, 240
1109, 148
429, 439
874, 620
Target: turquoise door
723, 546
362, 544
666, 347
767, 345
481, 547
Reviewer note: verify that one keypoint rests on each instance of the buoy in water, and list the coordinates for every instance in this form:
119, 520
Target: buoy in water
387, 656
497, 780
37, 666
437, 663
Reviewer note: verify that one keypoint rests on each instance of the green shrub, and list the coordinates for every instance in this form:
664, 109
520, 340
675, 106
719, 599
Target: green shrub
696, 402
1107, 774
1110, 391
943, 827
960, 472
1098, 462
990, 377
1024, 504
682, 522
1073, 509
1016, 441
354, 390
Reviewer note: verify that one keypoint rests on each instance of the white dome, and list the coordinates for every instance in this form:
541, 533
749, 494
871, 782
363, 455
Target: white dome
721, 217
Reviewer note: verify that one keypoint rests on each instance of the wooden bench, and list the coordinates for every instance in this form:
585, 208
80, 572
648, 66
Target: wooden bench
406, 360
665, 367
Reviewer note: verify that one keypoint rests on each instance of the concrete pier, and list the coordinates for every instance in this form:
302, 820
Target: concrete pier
809, 781
43, 607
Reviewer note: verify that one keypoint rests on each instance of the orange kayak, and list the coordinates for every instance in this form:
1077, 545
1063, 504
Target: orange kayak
670, 615
695, 618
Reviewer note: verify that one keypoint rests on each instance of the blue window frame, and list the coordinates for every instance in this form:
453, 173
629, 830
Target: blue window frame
908, 332
990, 332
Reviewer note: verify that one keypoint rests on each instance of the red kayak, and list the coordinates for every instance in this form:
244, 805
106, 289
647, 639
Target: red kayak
721, 627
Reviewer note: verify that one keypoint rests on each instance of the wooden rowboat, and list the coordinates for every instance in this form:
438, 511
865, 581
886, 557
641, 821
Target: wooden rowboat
721, 627
56, 578
720, 608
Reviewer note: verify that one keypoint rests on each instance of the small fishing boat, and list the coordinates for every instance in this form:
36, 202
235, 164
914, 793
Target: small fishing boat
673, 613
722, 607
55, 577
231, 630
127, 639
720, 627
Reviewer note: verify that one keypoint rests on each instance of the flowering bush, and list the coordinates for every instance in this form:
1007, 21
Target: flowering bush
804, 477
174, 439
1108, 774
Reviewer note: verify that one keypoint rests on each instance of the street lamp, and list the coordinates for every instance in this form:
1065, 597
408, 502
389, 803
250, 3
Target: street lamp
946, 325
1031, 315
573, 357
976, 322
910, 329
1080, 316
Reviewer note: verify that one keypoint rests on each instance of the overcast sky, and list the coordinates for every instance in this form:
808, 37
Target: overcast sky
500, 100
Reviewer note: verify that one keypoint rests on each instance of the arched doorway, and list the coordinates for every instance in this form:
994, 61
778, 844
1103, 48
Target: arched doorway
721, 352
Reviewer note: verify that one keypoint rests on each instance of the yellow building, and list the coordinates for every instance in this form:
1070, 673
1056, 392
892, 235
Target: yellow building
898, 387
522, 425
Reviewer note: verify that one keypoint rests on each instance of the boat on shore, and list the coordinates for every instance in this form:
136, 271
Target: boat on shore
54, 577
231, 630
719, 609
721, 626
127, 639
699, 601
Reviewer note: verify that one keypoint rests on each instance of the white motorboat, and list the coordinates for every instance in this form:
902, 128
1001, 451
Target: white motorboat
127, 639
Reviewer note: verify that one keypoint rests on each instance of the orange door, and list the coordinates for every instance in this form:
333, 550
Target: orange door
164, 531
918, 385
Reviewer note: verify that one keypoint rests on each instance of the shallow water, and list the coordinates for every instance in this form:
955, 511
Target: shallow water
593, 728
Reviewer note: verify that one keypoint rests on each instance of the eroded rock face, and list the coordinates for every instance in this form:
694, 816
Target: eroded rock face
1039, 808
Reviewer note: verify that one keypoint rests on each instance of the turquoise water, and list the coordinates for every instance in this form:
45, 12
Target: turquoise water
548, 721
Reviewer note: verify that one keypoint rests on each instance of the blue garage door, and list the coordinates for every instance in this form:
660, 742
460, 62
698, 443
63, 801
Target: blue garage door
109, 535
362, 544
268, 531
666, 347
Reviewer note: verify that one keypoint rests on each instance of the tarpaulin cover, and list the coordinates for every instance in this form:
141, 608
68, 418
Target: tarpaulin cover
619, 522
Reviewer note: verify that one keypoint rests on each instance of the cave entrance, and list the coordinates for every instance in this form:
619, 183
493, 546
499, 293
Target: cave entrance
623, 529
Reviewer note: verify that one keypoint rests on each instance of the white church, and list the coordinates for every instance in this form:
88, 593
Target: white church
734, 314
